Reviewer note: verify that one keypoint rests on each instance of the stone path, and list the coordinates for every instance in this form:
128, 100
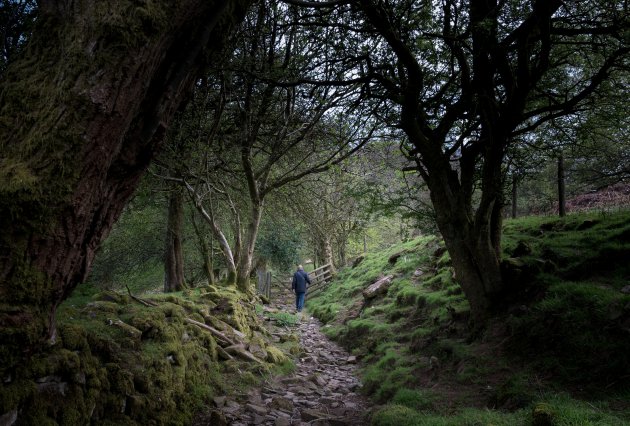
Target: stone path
322, 391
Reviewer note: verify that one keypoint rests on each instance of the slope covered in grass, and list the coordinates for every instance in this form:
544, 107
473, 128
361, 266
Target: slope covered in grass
560, 349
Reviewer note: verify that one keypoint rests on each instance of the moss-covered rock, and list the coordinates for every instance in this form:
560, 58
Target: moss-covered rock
112, 296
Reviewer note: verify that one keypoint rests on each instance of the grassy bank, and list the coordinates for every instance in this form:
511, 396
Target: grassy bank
558, 354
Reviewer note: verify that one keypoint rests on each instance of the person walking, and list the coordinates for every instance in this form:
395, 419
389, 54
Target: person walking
299, 286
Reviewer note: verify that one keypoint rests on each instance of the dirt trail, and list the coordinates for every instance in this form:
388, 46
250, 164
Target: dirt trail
322, 391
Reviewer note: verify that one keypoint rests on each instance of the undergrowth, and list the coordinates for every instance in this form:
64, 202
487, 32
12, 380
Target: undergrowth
558, 352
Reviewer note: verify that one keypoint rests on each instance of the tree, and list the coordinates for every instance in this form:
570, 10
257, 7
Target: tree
266, 126
173, 250
464, 79
83, 108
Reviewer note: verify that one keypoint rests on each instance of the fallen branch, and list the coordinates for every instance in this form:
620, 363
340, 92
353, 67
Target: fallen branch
212, 330
139, 300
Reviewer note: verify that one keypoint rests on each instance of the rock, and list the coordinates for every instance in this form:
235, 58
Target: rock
79, 377
377, 288
8, 419
309, 415
219, 401
281, 421
48, 379
418, 273
53, 388
317, 380
351, 359
280, 403
129, 330
257, 351
256, 409
625, 289
434, 363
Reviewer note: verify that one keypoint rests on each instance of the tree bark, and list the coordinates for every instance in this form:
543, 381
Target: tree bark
514, 199
207, 252
246, 257
470, 240
83, 110
561, 191
173, 251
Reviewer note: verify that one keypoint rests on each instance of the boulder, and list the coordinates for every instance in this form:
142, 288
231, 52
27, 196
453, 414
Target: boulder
256, 409
378, 288
126, 328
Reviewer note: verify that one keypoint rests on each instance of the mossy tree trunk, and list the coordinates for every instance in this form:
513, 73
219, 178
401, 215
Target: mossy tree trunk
206, 250
82, 112
173, 250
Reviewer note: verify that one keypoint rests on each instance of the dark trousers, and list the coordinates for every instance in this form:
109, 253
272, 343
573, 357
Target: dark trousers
299, 301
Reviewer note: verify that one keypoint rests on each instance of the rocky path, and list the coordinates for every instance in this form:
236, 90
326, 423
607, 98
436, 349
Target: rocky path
322, 390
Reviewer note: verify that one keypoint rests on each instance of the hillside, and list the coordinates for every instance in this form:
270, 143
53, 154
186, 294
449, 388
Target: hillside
557, 354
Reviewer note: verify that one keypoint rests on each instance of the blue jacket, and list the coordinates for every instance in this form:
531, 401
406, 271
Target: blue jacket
300, 278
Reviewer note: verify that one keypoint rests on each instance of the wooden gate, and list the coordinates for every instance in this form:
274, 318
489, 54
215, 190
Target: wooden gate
320, 277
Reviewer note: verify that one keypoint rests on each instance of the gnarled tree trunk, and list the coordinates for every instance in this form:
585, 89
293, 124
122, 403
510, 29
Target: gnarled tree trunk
82, 111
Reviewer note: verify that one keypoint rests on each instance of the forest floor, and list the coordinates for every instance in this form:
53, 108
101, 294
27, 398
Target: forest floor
322, 390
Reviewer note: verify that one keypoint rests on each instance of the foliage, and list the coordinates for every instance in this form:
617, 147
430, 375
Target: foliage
280, 243
17, 18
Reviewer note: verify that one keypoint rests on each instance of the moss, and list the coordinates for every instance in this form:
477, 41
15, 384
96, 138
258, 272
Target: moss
275, 355
112, 296
11, 394
73, 337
